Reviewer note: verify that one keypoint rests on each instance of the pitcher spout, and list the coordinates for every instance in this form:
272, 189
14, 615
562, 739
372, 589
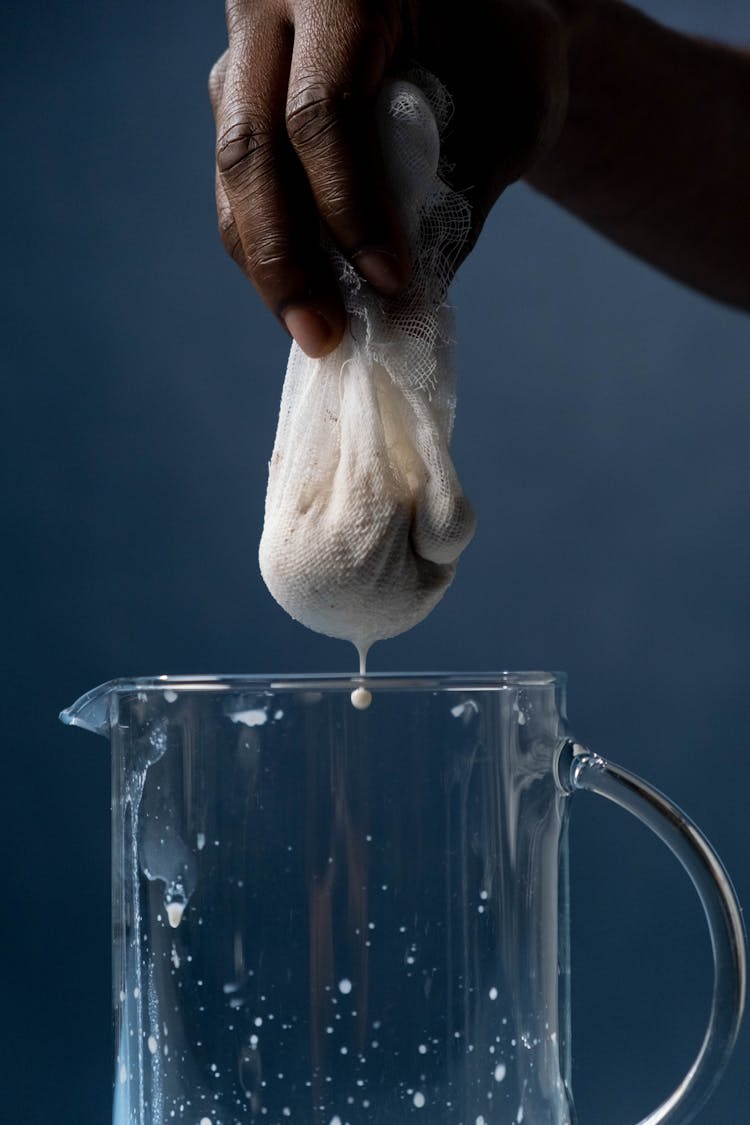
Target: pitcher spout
92, 710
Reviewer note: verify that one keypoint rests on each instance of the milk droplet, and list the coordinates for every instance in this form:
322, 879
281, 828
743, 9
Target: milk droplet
419, 1099
175, 910
206, 1121
170, 695
252, 717
500, 1072
152, 1044
345, 986
361, 698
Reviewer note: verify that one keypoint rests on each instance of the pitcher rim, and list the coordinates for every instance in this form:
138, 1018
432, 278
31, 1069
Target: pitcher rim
90, 710
300, 680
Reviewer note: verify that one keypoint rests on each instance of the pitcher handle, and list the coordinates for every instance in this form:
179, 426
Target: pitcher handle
582, 769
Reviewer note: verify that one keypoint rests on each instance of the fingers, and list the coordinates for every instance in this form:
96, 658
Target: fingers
341, 51
267, 216
227, 226
297, 140
297, 147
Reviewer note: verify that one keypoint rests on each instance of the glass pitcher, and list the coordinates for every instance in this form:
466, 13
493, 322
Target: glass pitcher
338, 915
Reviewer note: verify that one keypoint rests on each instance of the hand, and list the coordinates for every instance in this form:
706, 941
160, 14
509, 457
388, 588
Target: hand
297, 147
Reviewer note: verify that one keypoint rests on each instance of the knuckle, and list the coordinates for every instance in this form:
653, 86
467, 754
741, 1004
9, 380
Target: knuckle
313, 112
241, 144
267, 260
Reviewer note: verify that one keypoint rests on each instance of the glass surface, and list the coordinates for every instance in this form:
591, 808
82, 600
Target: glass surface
339, 916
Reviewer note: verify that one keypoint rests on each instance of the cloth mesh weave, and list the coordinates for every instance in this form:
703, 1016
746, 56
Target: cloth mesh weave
365, 517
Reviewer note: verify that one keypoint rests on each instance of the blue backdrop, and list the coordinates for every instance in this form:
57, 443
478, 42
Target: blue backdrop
602, 434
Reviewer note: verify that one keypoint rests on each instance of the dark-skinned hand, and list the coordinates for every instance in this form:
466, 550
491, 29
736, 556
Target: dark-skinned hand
297, 149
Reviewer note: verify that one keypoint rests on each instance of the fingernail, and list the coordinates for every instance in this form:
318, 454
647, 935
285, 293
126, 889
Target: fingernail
381, 269
312, 331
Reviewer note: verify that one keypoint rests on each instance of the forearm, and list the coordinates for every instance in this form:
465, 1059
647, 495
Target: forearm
655, 152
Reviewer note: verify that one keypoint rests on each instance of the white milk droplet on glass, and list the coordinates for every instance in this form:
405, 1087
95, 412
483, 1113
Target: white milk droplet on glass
175, 910
419, 1099
200, 840
206, 1121
253, 717
152, 1044
493, 993
465, 711
500, 1072
123, 1074
170, 695
361, 698
345, 986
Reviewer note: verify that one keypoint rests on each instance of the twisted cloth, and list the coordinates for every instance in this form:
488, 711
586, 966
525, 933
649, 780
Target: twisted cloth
365, 517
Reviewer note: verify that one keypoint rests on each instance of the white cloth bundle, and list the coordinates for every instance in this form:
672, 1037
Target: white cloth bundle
365, 517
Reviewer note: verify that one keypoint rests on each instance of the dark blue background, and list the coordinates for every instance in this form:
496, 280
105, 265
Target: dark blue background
602, 435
